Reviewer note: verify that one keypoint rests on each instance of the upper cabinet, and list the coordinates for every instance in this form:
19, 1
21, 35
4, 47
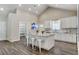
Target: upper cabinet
69, 22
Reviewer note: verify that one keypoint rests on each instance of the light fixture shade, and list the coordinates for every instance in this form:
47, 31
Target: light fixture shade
1, 9
41, 25
34, 26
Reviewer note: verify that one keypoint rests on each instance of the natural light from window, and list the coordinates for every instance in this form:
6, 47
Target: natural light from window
55, 25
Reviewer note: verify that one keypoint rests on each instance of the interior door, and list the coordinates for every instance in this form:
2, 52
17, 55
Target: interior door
2, 30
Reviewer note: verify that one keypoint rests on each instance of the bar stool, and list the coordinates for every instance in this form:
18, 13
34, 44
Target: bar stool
39, 44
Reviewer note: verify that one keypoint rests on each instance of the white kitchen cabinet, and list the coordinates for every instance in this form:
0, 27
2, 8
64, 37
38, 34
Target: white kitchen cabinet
13, 28
70, 38
69, 22
66, 37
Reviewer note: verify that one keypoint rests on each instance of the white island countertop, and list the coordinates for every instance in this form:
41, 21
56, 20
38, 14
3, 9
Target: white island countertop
42, 35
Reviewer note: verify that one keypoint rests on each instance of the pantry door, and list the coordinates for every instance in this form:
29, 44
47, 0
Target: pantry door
2, 30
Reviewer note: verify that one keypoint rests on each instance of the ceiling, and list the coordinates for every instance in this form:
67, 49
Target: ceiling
35, 9
72, 7
7, 9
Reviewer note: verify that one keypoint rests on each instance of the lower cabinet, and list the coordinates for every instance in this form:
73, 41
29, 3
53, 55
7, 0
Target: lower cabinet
66, 37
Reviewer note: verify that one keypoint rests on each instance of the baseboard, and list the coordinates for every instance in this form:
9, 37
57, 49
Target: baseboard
2, 39
66, 42
13, 40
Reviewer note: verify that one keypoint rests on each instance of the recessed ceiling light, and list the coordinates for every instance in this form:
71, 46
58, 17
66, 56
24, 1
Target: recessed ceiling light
29, 9
38, 4
1, 9
20, 4
56, 5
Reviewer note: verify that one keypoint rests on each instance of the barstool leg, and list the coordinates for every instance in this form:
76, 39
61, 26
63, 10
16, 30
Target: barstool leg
27, 40
40, 46
32, 44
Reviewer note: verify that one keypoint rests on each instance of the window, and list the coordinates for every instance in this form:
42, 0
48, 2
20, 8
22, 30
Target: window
22, 28
55, 25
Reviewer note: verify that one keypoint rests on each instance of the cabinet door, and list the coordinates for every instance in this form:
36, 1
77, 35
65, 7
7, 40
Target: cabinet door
74, 38
70, 22
70, 38
73, 22
64, 23
66, 37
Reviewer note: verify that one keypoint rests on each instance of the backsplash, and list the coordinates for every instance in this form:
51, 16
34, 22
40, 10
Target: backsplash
69, 31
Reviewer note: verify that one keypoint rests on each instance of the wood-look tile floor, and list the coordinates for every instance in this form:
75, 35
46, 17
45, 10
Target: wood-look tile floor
20, 48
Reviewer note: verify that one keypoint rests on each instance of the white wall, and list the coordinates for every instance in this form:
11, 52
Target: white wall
12, 28
54, 14
26, 18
